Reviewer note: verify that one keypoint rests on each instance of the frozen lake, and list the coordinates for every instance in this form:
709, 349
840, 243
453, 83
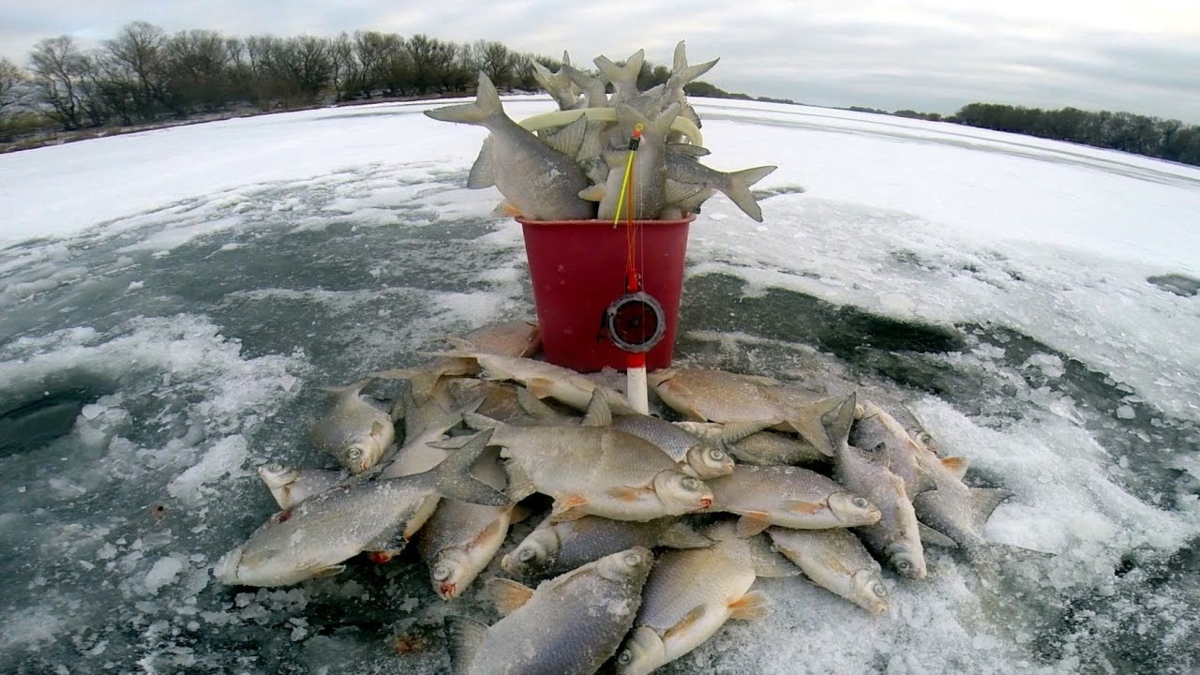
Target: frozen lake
172, 299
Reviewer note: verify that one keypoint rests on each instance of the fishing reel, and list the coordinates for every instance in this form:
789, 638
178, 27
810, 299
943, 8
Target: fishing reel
635, 322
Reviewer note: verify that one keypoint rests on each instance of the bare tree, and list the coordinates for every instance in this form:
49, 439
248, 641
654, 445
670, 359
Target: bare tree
12, 81
60, 69
137, 57
198, 70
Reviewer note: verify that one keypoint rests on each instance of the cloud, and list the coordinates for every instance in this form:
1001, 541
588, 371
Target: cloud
931, 55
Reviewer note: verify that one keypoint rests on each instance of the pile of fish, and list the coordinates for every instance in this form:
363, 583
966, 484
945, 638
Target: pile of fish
657, 530
575, 170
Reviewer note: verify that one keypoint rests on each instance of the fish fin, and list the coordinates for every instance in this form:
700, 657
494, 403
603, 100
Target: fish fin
688, 150
753, 605
451, 443
480, 422
734, 432
534, 406
594, 193
738, 189
803, 507
393, 542
685, 623
454, 479
465, 636
682, 535
483, 173
507, 595
598, 412
569, 139
541, 387
567, 507
984, 501
623, 74
520, 485
925, 482
767, 561
505, 209
630, 494
751, 523
933, 537
822, 424
957, 466
486, 106
675, 192
320, 571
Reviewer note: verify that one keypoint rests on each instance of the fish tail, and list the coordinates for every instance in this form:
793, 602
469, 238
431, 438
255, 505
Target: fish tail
465, 636
627, 73
454, 479
486, 106
739, 189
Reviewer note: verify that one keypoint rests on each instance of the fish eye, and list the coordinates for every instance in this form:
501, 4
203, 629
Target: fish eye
903, 565
690, 484
878, 589
717, 455
441, 573
926, 438
633, 559
526, 554
861, 503
354, 453
625, 657
275, 468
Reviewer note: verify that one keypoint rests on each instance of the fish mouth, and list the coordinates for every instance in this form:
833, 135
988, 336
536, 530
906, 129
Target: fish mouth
705, 502
380, 557
225, 569
448, 591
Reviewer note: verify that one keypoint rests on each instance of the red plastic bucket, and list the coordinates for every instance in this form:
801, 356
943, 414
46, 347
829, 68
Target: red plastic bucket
578, 270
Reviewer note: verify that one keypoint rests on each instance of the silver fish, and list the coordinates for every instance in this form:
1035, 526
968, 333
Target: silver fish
750, 443
556, 547
355, 430
691, 594
648, 194
540, 182
623, 77
594, 470
896, 536
695, 456
570, 625
704, 395
558, 84
315, 537
290, 485
835, 560
788, 496
878, 431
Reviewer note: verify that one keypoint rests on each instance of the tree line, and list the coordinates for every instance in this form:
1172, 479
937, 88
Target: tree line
145, 75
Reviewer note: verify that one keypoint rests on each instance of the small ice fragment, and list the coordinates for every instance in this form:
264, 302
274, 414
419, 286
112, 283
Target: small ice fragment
136, 285
1125, 412
21, 489
163, 573
91, 411
287, 382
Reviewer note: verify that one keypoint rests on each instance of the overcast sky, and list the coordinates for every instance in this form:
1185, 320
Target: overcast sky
931, 55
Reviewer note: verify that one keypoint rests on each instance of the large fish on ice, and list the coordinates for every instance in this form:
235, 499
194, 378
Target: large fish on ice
691, 594
356, 429
539, 182
315, 537
788, 496
836, 560
556, 547
570, 625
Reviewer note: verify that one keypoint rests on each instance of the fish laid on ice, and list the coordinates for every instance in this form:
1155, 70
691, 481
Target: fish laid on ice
594, 470
896, 536
952, 513
751, 443
717, 396
461, 538
544, 380
291, 485
691, 594
879, 432
314, 538
835, 560
538, 181
788, 496
570, 625
696, 456
356, 430
556, 547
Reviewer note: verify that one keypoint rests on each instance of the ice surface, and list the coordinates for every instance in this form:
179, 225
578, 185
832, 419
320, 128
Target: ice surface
172, 300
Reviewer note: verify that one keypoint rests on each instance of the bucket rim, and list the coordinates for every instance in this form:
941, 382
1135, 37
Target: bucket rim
597, 221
